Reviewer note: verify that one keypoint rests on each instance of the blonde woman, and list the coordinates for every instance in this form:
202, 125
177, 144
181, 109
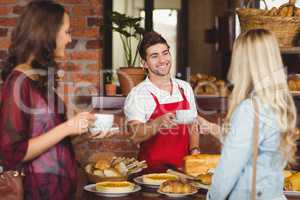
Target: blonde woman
257, 74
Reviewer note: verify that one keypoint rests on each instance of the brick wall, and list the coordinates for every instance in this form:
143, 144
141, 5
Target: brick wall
81, 68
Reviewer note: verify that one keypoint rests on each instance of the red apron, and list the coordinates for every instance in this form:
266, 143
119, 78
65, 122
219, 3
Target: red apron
169, 146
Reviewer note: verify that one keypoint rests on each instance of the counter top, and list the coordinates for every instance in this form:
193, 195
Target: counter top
150, 194
144, 194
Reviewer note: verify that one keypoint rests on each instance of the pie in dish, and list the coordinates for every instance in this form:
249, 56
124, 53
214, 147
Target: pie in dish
114, 186
158, 178
176, 186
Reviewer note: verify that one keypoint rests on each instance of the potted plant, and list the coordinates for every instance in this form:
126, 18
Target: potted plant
110, 86
129, 30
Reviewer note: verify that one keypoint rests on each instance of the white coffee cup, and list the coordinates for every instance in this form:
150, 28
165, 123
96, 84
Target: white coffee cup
185, 116
103, 123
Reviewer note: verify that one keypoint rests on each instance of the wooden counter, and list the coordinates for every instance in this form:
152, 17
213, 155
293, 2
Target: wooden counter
146, 194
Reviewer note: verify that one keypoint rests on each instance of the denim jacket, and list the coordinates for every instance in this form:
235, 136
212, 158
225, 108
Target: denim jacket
232, 178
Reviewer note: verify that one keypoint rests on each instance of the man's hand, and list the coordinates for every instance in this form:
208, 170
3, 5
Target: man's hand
165, 121
201, 126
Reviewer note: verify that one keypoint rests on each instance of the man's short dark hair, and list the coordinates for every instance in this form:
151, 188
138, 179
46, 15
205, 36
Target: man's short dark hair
150, 39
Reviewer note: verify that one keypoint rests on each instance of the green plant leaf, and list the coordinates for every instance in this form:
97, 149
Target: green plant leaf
128, 27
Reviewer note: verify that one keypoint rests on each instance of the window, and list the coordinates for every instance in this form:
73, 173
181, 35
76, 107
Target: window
275, 3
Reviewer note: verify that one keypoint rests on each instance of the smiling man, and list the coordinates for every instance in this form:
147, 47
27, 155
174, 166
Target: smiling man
150, 109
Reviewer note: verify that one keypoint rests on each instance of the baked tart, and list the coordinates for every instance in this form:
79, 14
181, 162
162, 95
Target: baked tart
158, 178
114, 186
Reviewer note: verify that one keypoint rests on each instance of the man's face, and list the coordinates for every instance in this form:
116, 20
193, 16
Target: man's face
158, 60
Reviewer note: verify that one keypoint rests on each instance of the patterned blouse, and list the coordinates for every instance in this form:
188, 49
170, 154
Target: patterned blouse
25, 113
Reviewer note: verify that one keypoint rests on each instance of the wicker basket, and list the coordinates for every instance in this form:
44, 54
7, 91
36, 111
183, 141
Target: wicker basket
286, 29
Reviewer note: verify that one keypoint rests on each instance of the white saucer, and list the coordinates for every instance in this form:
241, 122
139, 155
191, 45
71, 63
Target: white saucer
96, 131
92, 188
176, 195
182, 122
199, 185
139, 180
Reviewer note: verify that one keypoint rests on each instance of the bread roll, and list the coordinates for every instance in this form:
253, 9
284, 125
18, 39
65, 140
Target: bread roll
297, 12
292, 85
272, 12
287, 173
121, 168
89, 168
102, 164
283, 10
223, 91
98, 172
111, 172
198, 164
199, 90
292, 183
220, 83
211, 89
205, 179
290, 12
297, 83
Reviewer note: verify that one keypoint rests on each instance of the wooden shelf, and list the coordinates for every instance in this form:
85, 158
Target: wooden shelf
290, 50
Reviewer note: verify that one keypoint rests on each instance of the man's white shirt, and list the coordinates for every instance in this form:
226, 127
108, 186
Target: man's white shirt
139, 104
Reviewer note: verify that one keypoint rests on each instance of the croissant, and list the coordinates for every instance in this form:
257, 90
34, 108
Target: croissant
205, 178
176, 186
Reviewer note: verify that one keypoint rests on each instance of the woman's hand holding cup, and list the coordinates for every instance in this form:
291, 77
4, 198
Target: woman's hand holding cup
79, 124
103, 126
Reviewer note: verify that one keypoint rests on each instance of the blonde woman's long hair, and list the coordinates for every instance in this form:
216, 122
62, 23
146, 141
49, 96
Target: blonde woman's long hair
257, 66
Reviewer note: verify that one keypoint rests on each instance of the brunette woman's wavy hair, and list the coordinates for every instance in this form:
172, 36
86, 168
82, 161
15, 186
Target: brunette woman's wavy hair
35, 35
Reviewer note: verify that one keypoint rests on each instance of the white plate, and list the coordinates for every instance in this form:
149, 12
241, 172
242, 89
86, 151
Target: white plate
176, 194
92, 188
139, 180
199, 185
180, 122
292, 193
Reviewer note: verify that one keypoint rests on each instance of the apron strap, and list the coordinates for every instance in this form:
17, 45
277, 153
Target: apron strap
182, 93
155, 98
